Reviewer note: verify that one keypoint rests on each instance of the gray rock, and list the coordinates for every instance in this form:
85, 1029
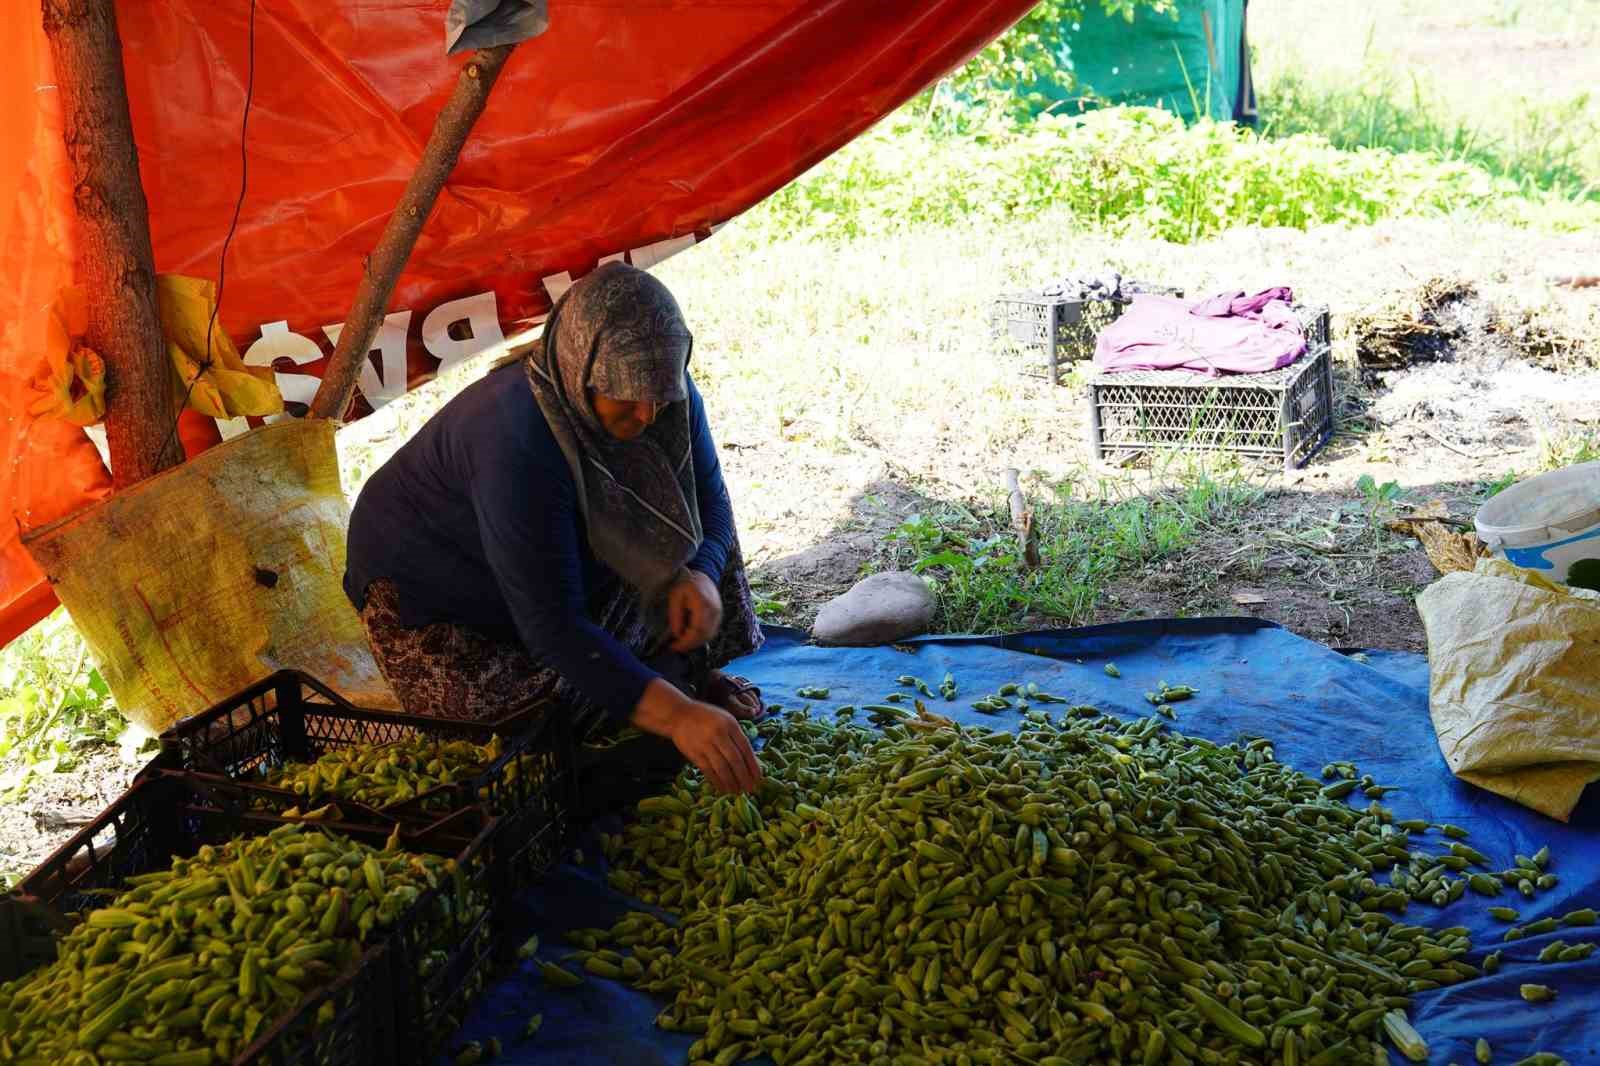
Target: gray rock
878, 609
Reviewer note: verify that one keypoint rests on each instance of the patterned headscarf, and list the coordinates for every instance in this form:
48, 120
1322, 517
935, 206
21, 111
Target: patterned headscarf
619, 331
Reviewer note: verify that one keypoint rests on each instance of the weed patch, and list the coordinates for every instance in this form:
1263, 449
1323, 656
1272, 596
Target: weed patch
1085, 540
53, 703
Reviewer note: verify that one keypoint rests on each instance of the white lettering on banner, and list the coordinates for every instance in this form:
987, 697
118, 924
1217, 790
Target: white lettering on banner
390, 344
648, 256
229, 428
97, 435
277, 341
557, 284
480, 313
452, 332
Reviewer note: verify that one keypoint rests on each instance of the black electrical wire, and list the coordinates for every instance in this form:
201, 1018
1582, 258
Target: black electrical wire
222, 261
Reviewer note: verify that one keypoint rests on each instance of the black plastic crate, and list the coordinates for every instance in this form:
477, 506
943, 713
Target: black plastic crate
1047, 330
292, 717
385, 1008
360, 1031
28, 931
1285, 414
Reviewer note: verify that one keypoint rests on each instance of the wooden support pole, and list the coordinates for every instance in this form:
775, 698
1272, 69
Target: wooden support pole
388, 259
1022, 519
116, 265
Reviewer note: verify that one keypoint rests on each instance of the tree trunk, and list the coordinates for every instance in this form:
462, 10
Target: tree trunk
388, 259
116, 266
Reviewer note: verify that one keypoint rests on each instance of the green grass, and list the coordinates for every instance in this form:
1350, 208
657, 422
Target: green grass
1371, 111
1505, 85
1134, 171
1088, 536
1546, 150
1554, 452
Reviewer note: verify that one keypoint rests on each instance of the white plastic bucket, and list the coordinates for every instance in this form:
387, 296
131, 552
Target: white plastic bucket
1549, 524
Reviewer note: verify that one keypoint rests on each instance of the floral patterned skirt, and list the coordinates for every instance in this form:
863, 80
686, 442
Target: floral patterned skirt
457, 671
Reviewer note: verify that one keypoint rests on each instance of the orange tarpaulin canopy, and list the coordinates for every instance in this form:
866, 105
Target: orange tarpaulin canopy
627, 128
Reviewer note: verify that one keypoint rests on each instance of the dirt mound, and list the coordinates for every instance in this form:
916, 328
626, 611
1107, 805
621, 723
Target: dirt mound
1474, 371
1422, 325
1450, 320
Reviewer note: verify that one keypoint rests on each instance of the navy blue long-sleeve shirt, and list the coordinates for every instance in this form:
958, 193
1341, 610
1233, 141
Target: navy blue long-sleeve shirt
476, 521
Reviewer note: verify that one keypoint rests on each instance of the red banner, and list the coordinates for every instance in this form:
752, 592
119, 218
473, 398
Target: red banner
628, 128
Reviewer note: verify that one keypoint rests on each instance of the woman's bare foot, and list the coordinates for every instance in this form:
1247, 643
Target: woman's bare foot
734, 694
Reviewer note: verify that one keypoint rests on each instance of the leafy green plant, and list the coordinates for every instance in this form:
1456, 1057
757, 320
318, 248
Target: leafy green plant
53, 704
1379, 500
1568, 449
771, 610
983, 586
1378, 495
1489, 489
1137, 171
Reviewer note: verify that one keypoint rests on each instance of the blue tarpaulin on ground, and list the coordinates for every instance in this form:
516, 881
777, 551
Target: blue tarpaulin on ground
1255, 679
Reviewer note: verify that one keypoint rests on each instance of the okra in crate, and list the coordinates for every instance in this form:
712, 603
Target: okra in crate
209, 936
290, 744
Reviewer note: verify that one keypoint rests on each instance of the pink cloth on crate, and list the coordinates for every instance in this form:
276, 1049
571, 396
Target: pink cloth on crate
1230, 333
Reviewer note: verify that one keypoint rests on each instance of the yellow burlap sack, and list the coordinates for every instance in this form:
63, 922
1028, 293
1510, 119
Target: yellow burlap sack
1514, 662
197, 583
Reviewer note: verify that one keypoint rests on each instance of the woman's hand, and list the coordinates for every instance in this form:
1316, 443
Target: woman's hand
694, 611
709, 737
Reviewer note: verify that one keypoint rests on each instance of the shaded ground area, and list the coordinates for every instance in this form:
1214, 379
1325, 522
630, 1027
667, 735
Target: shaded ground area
1308, 561
1315, 562
58, 805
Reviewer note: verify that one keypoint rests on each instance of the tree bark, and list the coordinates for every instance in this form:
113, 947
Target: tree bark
388, 259
116, 265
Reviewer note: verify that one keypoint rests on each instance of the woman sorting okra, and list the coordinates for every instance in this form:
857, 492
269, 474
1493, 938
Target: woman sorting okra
560, 530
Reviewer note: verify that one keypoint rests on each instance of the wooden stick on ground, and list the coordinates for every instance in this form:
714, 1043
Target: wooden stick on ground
114, 255
388, 259
1022, 519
